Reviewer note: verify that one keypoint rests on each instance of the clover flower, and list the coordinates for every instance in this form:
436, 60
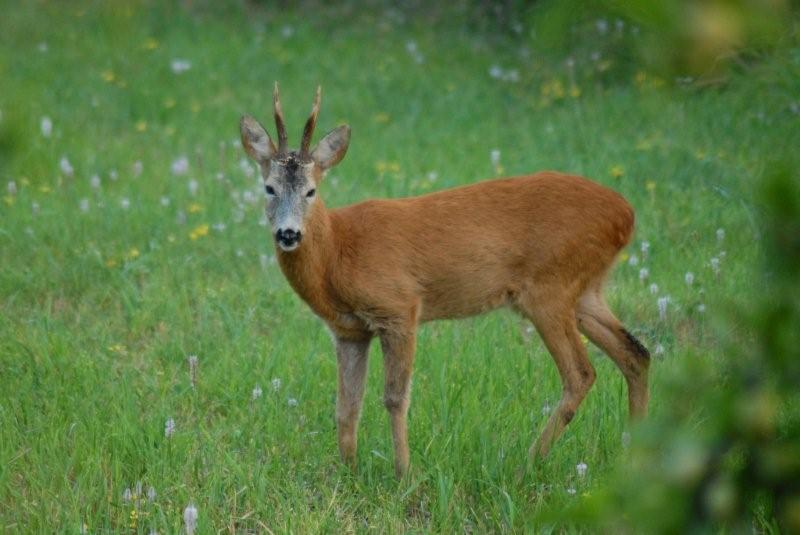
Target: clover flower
689, 278
190, 518
256, 392
66, 167
276, 384
653, 288
180, 166
581, 468
46, 125
95, 181
662, 303
180, 66
192, 361
169, 428
644, 273
720, 235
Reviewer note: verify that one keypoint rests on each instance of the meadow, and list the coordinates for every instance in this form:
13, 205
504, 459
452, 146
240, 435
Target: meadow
152, 354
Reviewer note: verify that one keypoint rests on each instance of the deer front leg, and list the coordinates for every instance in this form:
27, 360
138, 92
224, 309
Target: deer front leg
398, 361
352, 359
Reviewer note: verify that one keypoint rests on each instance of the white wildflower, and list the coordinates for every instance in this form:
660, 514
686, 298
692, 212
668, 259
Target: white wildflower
626, 439
151, 494
193, 187
720, 234
246, 168
11, 187
219, 227
180, 66
581, 468
164, 200
571, 491
125, 203
190, 518
256, 392
292, 402
264, 259
127, 495
46, 126
644, 273
645, 248
701, 308
546, 409
662, 307
35, 207
84, 205
138, 167
715, 266
180, 166
512, 75
276, 384
659, 350
689, 278
42, 47
494, 156
66, 167
287, 31
653, 288
601, 25
94, 181
169, 427
113, 175
633, 261
496, 72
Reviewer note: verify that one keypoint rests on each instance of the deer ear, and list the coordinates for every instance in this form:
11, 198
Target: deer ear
332, 148
255, 140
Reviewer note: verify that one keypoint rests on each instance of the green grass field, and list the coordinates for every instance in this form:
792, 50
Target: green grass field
131, 238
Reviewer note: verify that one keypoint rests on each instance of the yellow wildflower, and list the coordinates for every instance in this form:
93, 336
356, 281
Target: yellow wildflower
198, 232
382, 117
133, 253
108, 76
640, 78
195, 207
117, 348
574, 91
141, 126
9, 200
584, 340
110, 263
617, 171
150, 44
24, 181
650, 185
45, 189
623, 258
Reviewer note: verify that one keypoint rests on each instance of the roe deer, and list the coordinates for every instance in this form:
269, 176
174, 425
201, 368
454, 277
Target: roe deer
541, 244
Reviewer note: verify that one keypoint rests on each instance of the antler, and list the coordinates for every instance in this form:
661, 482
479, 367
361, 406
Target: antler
308, 131
279, 123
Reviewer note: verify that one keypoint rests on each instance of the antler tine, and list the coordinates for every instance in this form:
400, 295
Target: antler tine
308, 131
279, 122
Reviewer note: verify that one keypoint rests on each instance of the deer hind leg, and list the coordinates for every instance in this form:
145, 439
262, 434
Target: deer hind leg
398, 356
559, 331
600, 326
352, 359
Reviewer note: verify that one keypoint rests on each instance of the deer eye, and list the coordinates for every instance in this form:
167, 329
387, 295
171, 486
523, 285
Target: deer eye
270, 190
311, 193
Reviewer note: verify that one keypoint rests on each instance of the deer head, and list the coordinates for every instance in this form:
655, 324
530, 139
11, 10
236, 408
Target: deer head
291, 177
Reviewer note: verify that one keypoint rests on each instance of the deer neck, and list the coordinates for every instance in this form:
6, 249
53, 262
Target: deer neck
307, 267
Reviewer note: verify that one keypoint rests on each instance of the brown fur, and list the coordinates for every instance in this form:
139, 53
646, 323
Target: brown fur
541, 244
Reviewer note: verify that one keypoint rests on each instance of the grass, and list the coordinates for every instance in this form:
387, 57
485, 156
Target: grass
101, 308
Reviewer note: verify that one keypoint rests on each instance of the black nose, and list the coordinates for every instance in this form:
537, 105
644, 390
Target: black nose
288, 236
